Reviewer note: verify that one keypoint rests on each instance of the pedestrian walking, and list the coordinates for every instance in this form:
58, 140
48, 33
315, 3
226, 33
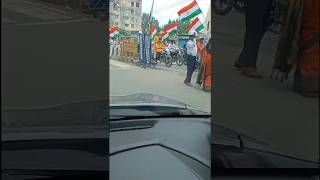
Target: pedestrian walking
191, 57
257, 18
298, 47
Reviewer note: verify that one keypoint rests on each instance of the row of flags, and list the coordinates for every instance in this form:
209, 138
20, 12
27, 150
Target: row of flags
188, 12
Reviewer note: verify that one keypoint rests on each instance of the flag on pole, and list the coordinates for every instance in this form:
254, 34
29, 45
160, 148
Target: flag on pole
195, 25
114, 33
189, 12
165, 36
153, 32
172, 29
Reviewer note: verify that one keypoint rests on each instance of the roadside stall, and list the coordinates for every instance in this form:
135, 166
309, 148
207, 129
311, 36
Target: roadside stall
130, 49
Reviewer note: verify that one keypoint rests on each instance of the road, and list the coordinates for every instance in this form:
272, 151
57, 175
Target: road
265, 109
129, 79
49, 57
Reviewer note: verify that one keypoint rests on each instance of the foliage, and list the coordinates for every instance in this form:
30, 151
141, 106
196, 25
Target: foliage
123, 32
145, 21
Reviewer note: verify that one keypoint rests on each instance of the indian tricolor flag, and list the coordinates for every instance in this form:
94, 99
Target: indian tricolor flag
172, 29
165, 36
195, 25
189, 12
114, 33
153, 32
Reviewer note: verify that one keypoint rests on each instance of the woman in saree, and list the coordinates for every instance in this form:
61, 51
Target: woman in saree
204, 76
298, 47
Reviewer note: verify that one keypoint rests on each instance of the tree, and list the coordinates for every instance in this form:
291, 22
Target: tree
145, 21
123, 32
183, 26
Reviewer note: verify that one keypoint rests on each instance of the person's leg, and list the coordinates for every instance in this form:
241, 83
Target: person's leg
188, 69
193, 61
255, 17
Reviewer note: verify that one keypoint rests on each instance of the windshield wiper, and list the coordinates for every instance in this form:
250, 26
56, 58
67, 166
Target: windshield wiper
118, 118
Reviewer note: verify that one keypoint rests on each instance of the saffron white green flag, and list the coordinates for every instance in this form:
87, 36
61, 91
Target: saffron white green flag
172, 29
153, 32
189, 12
195, 25
114, 33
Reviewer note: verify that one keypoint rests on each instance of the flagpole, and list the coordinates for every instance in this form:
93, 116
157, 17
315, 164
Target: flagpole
201, 11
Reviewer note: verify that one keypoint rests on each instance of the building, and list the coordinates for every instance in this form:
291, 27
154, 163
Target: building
126, 14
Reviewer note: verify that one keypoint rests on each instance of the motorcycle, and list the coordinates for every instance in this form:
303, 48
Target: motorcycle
176, 56
222, 7
182, 57
165, 57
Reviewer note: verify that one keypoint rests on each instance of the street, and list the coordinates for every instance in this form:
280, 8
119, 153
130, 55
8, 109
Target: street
49, 57
128, 79
261, 108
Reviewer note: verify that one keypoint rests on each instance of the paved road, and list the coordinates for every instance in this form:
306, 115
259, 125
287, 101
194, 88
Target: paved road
48, 57
129, 79
265, 109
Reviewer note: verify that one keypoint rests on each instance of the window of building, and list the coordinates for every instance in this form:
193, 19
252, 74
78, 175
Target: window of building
132, 4
126, 25
126, 18
137, 4
117, 16
117, 23
132, 11
132, 26
132, 19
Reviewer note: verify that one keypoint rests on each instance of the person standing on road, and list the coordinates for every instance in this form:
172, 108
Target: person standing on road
257, 18
298, 47
191, 57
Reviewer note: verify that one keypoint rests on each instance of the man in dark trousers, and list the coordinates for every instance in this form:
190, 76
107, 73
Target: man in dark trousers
191, 47
257, 17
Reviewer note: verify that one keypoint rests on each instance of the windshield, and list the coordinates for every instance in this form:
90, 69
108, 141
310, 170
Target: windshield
147, 58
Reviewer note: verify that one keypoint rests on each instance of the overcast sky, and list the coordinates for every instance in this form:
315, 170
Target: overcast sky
163, 10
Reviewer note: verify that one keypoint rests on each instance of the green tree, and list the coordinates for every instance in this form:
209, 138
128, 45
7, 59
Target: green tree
145, 21
182, 27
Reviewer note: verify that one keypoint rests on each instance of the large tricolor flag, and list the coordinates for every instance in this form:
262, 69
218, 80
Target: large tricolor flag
114, 33
153, 32
172, 29
195, 25
189, 12
165, 36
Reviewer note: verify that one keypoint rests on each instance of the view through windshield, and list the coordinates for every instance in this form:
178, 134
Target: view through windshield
149, 54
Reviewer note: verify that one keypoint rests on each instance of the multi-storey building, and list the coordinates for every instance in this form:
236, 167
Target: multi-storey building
126, 14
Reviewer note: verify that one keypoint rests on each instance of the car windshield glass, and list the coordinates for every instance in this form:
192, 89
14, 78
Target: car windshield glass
149, 60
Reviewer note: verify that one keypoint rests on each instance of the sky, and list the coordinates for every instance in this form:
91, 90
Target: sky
163, 10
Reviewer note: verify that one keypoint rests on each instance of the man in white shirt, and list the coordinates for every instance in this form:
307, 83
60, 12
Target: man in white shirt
191, 47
